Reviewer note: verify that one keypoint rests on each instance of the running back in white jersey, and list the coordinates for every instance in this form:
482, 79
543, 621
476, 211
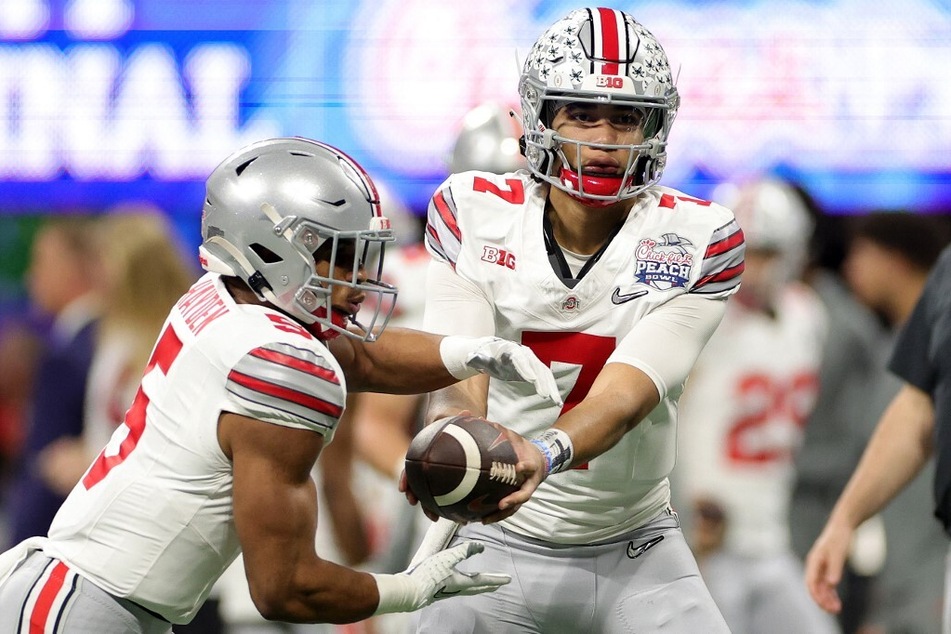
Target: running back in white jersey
152, 519
743, 413
489, 228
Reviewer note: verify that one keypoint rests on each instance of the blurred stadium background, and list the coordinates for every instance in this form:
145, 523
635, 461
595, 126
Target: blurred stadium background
111, 102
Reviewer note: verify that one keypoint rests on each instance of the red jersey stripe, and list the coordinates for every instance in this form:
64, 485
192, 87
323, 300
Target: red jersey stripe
52, 587
286, 394
298, 364
722, 246
447, 215
724, 275
431, 230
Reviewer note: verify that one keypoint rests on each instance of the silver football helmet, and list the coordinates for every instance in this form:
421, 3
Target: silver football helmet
773, 217
600, 56
776, 223
271, 205
487, 141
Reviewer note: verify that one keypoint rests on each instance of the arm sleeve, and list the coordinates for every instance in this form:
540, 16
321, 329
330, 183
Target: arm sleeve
285, 385
454, 305
665, 344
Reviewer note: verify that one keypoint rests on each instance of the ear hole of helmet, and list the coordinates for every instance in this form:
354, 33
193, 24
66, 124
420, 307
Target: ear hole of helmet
267, 256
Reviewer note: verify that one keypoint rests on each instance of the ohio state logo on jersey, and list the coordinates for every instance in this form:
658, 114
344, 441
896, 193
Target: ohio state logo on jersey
663, 263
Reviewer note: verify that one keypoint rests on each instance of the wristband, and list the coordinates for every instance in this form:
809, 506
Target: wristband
454, 352
397, 593
556, 446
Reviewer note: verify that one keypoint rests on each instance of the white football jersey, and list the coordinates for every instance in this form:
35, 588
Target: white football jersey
743, 413
489, 228
152, 519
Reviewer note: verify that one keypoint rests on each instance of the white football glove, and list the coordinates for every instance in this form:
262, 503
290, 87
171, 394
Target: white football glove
465, 357
434, 578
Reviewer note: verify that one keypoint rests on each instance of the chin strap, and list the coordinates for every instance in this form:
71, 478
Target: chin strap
326, 334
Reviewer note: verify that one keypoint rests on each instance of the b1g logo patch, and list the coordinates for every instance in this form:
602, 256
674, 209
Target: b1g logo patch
663, 263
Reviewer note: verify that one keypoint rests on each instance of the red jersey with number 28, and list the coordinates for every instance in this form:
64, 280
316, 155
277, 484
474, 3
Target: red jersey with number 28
152, 518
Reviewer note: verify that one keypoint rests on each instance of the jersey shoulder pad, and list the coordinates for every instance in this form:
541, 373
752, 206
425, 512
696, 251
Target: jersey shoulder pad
290, 384
470, 200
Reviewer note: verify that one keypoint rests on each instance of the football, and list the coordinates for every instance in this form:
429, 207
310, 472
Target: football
460, 467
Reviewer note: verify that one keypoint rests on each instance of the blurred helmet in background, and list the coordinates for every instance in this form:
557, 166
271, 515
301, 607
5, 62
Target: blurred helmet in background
488, 141
773, 217
777, 226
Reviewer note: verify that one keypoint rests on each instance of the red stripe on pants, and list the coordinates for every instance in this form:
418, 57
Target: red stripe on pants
41, 611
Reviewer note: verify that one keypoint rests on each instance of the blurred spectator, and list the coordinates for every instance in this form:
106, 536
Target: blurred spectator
841, 421
20, 347
60, 283
887, 265
741, 420
142, 274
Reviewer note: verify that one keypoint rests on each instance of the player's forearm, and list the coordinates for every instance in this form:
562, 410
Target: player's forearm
621, 398
896, 453
401, 361
321, 592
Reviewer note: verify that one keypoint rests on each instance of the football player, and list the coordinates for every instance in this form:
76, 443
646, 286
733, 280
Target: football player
742, 418
245, 385
617, 283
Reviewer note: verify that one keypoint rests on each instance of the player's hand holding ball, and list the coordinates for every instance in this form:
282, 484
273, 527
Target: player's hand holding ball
463, 467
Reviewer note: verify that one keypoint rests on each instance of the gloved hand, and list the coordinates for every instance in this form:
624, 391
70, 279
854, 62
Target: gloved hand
465, 357
434, 578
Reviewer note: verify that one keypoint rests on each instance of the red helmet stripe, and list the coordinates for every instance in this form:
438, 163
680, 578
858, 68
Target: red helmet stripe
610, 23
367, 181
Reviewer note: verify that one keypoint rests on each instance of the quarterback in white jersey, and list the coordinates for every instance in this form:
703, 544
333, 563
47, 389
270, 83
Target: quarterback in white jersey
616, 283
491, 241
742, 416
245, 385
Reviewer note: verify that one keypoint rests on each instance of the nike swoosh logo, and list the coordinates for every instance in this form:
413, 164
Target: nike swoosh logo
634, 553
442, 593
617, 298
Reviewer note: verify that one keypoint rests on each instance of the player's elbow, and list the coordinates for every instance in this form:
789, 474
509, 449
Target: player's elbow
271, 605
274, 601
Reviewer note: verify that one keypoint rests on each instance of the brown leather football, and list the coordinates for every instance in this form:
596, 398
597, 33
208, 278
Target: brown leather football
461, 467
